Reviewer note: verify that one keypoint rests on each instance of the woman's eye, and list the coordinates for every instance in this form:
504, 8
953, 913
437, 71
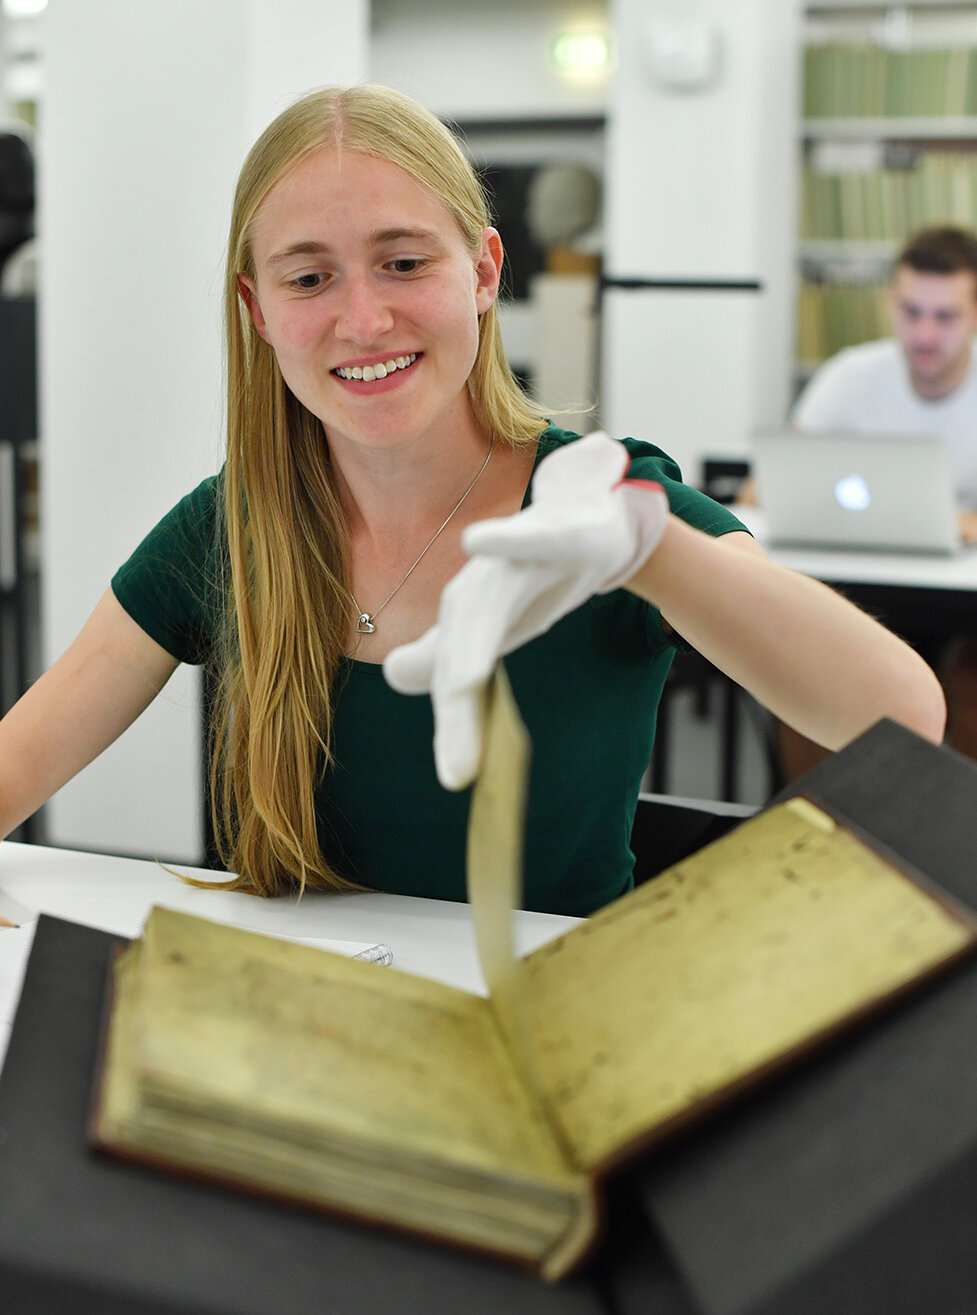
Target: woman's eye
405, 265
308, 282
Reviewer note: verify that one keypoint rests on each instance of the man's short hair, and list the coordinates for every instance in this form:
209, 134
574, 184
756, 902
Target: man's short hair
943, 250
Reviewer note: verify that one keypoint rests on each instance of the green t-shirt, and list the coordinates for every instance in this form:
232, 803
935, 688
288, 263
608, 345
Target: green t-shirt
588, 691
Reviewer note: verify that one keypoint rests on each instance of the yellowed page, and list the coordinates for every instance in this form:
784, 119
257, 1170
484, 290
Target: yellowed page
701, 977
118, 1099
279, 1034
495, 843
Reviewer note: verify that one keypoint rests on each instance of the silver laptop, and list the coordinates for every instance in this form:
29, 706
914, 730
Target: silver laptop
892, 492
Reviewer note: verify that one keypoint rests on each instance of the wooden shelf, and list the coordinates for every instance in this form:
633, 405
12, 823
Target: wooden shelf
882, 6
934, 128
846, 252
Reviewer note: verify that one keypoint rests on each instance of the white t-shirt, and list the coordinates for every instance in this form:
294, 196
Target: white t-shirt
868, 389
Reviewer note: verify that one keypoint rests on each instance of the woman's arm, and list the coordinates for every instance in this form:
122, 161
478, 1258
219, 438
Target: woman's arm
97, 689
807, 654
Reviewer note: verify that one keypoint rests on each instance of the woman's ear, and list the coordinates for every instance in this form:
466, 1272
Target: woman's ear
488, 269
249, 295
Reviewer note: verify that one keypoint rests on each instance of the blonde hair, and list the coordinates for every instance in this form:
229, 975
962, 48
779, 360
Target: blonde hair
287, 593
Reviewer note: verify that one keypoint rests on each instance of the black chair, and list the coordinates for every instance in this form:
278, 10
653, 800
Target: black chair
668, 828
714, 695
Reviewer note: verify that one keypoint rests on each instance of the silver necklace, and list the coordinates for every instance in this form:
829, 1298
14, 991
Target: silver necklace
365, 620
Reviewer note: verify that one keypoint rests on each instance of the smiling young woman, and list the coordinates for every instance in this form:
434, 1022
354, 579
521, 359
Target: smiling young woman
359, 236
374, 519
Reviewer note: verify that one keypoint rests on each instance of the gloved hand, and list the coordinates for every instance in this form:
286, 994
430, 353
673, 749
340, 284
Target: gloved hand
585, 532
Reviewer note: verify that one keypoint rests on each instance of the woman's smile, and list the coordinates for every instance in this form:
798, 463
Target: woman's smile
375, 371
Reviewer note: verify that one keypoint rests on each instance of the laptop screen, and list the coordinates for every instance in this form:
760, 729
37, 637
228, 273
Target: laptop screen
873, 491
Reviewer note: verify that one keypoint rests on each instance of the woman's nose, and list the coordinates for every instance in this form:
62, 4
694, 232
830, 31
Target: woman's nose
364, 314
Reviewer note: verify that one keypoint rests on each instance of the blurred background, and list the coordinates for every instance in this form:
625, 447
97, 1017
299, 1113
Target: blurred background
700, 200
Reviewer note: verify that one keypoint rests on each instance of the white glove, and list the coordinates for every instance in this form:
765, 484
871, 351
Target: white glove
586, 532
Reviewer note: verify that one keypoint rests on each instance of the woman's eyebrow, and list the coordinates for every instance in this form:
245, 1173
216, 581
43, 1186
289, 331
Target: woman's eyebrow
381, 237
384, 235
305, 248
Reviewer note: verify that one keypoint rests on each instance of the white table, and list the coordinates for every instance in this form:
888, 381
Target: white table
431, 938
916, 570
928, 599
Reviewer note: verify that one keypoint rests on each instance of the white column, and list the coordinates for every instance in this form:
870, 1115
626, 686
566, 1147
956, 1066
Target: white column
701, 184
148, 110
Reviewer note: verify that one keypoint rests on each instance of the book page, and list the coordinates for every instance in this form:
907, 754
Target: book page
494, 863
699, 980
495, 836
317, 1046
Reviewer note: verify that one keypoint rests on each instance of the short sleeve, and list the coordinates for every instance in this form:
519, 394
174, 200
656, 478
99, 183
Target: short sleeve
689, 504
170, 586
649, 462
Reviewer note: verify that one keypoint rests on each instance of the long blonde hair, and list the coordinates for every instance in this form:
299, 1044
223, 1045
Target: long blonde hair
287, 591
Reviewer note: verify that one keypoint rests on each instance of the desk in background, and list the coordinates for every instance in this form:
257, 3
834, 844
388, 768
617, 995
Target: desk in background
926, 599
920, 596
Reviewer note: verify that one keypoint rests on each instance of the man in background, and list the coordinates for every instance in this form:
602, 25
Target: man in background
923, 380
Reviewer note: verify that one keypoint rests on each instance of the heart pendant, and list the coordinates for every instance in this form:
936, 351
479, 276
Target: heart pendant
364, 625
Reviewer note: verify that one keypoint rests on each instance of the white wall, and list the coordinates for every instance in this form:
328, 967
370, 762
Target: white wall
702, 184
466, 60
148, 110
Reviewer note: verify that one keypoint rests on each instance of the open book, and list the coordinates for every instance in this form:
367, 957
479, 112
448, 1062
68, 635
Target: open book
487, 1122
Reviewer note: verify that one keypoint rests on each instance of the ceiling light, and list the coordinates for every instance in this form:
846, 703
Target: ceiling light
23, 8
582, 54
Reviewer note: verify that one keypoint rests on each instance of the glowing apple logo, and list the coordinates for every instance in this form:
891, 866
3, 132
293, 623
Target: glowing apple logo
852, 493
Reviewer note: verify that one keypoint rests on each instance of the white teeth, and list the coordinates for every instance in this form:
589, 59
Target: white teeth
379, 371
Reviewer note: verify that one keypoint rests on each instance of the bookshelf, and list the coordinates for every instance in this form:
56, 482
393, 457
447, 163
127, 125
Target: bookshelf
889, 139
897, 127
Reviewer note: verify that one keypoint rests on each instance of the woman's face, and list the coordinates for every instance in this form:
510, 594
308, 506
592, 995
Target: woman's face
370, 298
